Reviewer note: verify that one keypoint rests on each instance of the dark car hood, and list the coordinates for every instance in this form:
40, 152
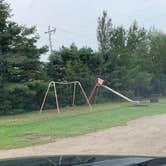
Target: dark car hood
86, 161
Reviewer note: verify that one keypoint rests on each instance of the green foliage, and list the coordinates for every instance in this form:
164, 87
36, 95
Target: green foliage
5, 103
129, 57
132, 60
104, 35
74, 64
19, 63
157, 61
19, 93
39, 88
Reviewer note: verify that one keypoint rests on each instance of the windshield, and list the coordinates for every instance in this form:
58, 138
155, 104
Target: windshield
82, 78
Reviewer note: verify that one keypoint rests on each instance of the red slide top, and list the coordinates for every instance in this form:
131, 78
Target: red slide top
100, 81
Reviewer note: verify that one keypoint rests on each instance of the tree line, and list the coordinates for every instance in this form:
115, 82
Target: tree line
132, 60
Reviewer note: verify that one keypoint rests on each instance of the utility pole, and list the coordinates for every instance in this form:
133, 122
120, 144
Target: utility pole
49, 32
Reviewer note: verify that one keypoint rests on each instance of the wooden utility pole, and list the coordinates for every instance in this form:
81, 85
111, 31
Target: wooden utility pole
49, 32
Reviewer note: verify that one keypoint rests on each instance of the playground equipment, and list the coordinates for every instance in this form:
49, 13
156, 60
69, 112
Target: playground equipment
54, 84
100, 83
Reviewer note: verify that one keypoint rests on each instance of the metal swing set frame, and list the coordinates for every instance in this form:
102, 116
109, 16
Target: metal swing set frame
54, 84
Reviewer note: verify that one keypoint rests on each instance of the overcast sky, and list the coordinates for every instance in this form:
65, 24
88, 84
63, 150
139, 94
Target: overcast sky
76, 20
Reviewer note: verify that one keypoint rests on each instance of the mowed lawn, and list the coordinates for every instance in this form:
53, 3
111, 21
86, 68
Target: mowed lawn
34, 128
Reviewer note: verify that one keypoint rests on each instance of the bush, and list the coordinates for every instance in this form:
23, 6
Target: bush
40, 88
5, 103
18, 98
21, 96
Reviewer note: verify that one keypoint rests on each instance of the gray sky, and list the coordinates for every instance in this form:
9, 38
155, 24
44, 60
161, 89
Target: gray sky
76, 20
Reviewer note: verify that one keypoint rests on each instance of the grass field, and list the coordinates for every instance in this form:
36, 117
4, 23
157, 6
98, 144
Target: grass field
35, 128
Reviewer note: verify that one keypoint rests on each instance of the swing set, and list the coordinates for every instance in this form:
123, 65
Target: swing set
55, 84
100, 83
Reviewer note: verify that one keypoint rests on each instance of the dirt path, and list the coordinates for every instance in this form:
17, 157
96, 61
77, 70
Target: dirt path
145, 136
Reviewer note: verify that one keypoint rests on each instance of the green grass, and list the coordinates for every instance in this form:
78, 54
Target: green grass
81, 120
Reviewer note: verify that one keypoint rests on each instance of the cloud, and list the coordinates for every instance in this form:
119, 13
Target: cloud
76, 20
